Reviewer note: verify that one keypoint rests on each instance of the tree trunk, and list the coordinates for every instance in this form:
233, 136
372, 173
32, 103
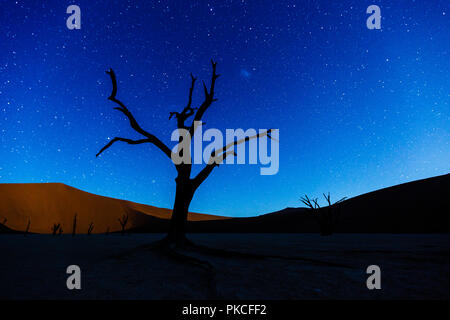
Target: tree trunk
183, 198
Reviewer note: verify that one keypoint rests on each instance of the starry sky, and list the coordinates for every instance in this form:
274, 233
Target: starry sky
357, 109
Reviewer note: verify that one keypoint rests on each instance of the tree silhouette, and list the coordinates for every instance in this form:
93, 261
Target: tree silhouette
327, 219
185, 185
56, 227
28, 227
123, 222
90, 228
74, 226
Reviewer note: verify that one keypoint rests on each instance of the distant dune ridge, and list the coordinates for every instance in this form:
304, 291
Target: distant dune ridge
48, 203
421, 206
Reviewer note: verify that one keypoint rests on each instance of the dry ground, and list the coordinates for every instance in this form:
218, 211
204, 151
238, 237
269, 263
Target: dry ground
414, 266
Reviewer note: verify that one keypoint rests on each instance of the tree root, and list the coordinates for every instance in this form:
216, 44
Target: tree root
182, 256
165, 248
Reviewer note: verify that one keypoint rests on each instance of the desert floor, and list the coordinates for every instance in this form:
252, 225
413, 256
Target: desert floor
297, 266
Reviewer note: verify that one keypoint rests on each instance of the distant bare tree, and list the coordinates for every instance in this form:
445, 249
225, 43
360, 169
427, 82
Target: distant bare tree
123, 222
74, 226
90, 228
185, 185
28, 227
327, 217
56, 228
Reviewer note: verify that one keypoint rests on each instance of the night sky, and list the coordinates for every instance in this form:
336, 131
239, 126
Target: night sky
357, 109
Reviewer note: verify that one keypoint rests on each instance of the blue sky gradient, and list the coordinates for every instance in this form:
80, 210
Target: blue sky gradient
357, 109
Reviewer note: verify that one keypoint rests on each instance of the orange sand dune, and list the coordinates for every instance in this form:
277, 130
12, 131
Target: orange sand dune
48, 203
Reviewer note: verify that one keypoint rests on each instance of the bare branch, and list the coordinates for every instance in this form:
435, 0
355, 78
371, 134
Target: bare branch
327, 198
221, 154
188, 110
176, 114
129, 141
209, 98
316, 204
340, 200
191, 90
237, 142
134, 124
311, 203
307, 201
206, 171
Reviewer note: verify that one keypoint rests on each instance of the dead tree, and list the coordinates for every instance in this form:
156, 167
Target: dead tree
90, 228
74, 226
56, 228
327, 217
186, 185
28, 227
123, 222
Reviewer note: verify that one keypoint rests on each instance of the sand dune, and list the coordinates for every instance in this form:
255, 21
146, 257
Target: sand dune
421, 206
48, 203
